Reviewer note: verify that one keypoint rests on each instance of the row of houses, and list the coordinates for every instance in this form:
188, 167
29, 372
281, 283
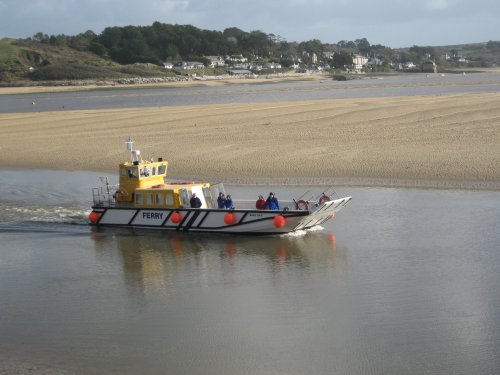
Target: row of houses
240, 63
189, 65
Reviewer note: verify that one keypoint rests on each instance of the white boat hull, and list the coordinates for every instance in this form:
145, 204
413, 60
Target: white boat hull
213, 220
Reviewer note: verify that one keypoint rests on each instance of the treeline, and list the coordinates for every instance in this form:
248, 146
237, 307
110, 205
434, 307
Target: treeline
165, 42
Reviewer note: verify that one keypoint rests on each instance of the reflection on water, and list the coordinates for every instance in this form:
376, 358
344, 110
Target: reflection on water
153, 261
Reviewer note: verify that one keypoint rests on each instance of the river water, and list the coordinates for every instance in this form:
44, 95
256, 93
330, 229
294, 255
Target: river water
410, 84
403, 281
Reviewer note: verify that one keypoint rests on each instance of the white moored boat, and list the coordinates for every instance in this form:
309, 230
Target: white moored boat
145, 199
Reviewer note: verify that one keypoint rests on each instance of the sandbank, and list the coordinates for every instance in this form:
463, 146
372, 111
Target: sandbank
449, 141
33, 88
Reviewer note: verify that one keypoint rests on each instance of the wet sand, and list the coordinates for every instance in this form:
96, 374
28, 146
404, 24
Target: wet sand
447, 141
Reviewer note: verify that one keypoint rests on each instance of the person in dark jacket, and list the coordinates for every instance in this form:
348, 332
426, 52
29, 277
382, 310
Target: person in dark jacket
229, 202
272, 202
221, 200
195, 201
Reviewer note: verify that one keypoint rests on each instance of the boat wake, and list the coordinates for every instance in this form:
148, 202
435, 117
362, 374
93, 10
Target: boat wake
303, 232
15, 217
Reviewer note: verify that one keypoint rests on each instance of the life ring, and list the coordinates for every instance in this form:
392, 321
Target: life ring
121, 194
302, 205
323, 199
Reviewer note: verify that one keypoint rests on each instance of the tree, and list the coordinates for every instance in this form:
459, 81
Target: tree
41, 37
98, 49
363, 46
341, 59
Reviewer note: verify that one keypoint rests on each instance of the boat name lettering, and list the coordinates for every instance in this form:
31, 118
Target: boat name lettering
152, 215
259, 215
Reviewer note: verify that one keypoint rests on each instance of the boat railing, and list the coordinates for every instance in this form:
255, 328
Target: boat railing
249, 204
104, 196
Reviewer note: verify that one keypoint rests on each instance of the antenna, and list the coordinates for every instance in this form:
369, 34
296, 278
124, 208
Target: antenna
135, 155
130, 144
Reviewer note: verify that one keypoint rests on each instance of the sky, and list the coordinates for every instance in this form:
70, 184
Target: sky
392, 23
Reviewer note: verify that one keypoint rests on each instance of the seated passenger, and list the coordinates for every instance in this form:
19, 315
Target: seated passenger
272, 202
195, 201
229, 202
221, 201
261, 203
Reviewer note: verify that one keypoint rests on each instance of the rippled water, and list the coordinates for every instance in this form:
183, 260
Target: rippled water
403, 281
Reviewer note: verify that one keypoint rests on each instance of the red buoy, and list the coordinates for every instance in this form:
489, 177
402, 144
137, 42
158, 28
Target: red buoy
279, 221
229, 218
94, 216
176, 217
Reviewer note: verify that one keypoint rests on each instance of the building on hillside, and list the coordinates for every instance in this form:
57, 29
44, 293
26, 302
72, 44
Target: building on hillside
409, 65
359, 62
237, 58
314, 58
328, 55
216, 61
188, 65
168, 65
272, 65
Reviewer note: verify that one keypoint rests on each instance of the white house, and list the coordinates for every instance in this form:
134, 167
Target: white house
237, 58
187, 65
359, 62
216, 61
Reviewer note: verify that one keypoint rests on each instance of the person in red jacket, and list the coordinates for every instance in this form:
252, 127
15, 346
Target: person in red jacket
261, 203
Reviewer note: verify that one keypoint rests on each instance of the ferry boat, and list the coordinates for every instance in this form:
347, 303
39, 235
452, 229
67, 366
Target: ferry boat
145, 198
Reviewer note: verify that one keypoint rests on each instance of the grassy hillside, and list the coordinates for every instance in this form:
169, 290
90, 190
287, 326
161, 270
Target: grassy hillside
31, 61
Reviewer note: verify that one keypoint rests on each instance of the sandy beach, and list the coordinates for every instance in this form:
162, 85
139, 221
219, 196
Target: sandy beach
423, 141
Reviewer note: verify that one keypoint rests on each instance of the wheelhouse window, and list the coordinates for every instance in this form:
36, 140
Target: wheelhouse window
169, 199
132, 173
138, 198
145, 172
159, 199
153, 172
162, 169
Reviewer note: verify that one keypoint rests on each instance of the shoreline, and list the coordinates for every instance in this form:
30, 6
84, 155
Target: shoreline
334, 182
152, 83
33, 87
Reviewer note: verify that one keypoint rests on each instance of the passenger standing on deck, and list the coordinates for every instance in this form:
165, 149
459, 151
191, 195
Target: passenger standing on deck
195, 201
221, 201
229, 202
272, 202
261, 203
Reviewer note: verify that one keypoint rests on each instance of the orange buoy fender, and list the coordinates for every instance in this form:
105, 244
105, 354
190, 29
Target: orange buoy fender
94, 216
176, 217
279, 221
229, 218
